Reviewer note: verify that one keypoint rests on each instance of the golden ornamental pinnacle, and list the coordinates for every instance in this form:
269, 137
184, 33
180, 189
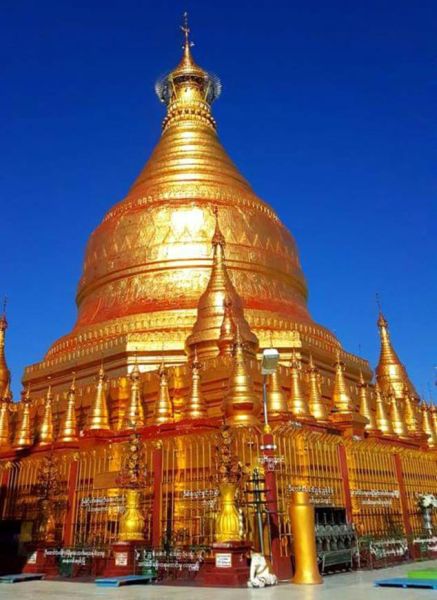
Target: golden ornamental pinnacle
276, 400
163, 409
134, 415
365, 407
341, 400
206, 331
45, 436
434, 418
317, 407
5, 428
98, 413
196, 407
241, 406
68, 429
390, 372
228, 330
427, 426
396, 417
411, 420
383, 423
298, 405
23, 433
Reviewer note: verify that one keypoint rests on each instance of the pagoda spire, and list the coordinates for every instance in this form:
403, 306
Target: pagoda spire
206, 331
342, 402
365, 407
396, 417
45, 434
163, 407
317, 407
427, 426
98, 413
188, 90
134, 415
241, 405
196, 407
5, 425
298, 405
434, 417
68, 429
390, 372
383, 423
23, 432
5, 374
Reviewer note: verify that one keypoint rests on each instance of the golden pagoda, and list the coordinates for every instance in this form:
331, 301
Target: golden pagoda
191, 288
147, 269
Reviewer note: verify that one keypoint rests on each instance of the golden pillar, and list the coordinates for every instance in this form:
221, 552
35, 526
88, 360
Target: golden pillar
298, 404
365, 407
316, 405
45, 437
134, 414
196, 406
276, 401
23, 431
304, 539
382, 421
98, 415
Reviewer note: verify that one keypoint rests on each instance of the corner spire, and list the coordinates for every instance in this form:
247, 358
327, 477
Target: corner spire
390, 372
396, 416
220, 290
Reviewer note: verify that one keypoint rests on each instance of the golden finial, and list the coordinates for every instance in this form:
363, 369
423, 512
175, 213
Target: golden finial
163, 407
68, 429
23, 431
316, 405
45, 437
298, 404
383, 423
196, 407
98, 412
241, 406
134, 416
186, 31
365, 407
341, 400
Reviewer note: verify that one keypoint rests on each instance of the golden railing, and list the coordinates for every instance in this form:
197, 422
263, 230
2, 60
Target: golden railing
375, 493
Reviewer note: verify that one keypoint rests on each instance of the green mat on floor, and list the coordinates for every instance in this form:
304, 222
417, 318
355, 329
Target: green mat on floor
423, 574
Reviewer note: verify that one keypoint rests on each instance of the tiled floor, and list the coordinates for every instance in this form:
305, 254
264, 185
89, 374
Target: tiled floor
347, 586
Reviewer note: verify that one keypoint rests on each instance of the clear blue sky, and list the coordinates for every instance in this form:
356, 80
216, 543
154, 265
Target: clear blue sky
328, 108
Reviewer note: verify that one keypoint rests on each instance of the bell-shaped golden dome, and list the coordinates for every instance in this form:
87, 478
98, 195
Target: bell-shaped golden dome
149, 261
